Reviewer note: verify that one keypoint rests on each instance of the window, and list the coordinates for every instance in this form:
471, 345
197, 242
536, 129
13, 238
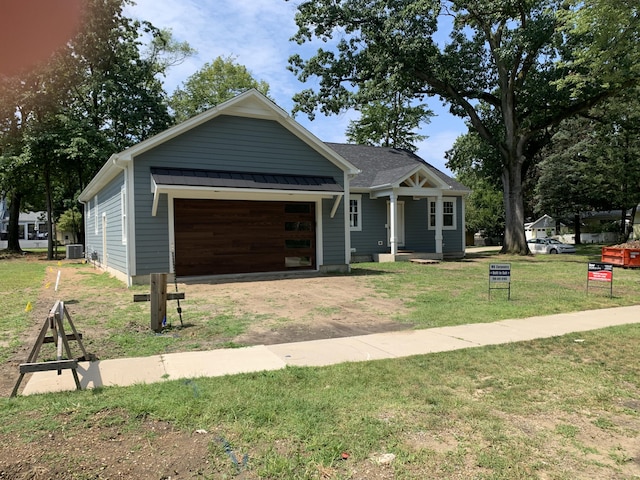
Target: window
123, 212
448, 214
355, 212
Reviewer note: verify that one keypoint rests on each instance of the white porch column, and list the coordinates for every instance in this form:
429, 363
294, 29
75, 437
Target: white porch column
393, 223
439, 214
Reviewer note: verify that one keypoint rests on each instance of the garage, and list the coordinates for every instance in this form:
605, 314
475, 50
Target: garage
214, 237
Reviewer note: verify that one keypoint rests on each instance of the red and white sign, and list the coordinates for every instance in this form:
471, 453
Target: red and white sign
600, 272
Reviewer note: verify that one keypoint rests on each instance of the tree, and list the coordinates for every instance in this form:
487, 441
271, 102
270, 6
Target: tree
514, 68
477, 166
213, 84
71, 221
389, 122
96, 96
593, 162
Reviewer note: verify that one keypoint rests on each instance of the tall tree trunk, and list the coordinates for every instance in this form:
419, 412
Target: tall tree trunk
577, 229
51, 242
13, 233
515, 241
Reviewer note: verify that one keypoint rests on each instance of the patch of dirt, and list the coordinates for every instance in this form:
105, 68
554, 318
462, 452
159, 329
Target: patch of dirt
272, 309
300, 309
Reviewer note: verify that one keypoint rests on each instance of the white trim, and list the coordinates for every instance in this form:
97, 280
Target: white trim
250, 104
123, 211
398, 227
452, 200
131, 223
409, 192
345, 223
214, 193
171, 219
358, 199
336, 204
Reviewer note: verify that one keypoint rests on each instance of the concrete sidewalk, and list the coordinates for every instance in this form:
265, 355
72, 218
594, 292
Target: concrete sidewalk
157, 368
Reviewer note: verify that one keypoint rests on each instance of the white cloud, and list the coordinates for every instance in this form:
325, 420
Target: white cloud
257, 33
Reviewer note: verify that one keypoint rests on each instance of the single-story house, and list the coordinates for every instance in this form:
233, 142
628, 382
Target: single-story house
32, 227
543, 227
243, 188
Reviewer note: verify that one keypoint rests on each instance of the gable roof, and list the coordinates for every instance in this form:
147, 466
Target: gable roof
251, 104
383, 167
545, 221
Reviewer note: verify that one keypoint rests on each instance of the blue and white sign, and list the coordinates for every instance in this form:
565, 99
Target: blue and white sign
500, 273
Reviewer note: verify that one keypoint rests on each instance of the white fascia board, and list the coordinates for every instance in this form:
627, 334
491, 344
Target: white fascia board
107, 173
248, 104
211, 193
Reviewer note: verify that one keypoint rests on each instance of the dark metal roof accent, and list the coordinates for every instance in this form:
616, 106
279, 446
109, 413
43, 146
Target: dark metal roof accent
253, 180
385, 166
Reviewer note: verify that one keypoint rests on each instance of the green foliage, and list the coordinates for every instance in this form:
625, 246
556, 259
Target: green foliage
213, 84
98, 95
502, 67
71, 221
592, 161
389, 123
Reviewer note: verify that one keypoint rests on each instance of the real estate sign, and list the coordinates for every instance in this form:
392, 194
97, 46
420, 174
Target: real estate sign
500, 273
600, 272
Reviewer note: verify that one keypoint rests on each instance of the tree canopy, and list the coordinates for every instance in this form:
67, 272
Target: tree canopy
97, 95
391, 121
213, 84
514, 68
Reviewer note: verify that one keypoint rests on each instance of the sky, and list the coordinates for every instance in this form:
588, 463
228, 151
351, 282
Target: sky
256, 33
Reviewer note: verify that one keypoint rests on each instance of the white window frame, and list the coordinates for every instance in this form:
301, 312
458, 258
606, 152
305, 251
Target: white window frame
357, 225
123, 213
431, 213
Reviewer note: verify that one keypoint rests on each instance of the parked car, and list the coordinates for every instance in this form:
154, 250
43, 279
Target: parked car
549, 245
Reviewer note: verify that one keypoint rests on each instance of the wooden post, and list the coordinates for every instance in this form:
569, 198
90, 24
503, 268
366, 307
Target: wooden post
158, 300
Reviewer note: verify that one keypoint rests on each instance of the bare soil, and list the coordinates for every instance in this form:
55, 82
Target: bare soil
280, 310
283, 309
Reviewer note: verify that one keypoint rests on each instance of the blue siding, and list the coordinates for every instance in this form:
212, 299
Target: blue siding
452, 239
418, 237
374, 219
109, 204
333, 234
232, 144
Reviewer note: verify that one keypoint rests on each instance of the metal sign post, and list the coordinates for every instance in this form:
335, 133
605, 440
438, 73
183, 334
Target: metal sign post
600, 272
500, 274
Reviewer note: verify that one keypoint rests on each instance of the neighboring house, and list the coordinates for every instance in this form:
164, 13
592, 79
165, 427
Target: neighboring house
243, 188
543, 227
32, 228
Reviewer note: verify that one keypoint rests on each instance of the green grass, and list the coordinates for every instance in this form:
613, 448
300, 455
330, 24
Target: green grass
554, 408
20, 283
457, 292
438, 413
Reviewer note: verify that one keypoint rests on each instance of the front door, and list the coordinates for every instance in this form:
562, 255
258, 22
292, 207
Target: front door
400, 221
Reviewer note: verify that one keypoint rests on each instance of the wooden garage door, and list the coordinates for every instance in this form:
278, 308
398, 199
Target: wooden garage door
229, 236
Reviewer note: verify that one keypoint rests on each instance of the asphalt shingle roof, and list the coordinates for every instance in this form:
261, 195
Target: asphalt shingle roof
385, 166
